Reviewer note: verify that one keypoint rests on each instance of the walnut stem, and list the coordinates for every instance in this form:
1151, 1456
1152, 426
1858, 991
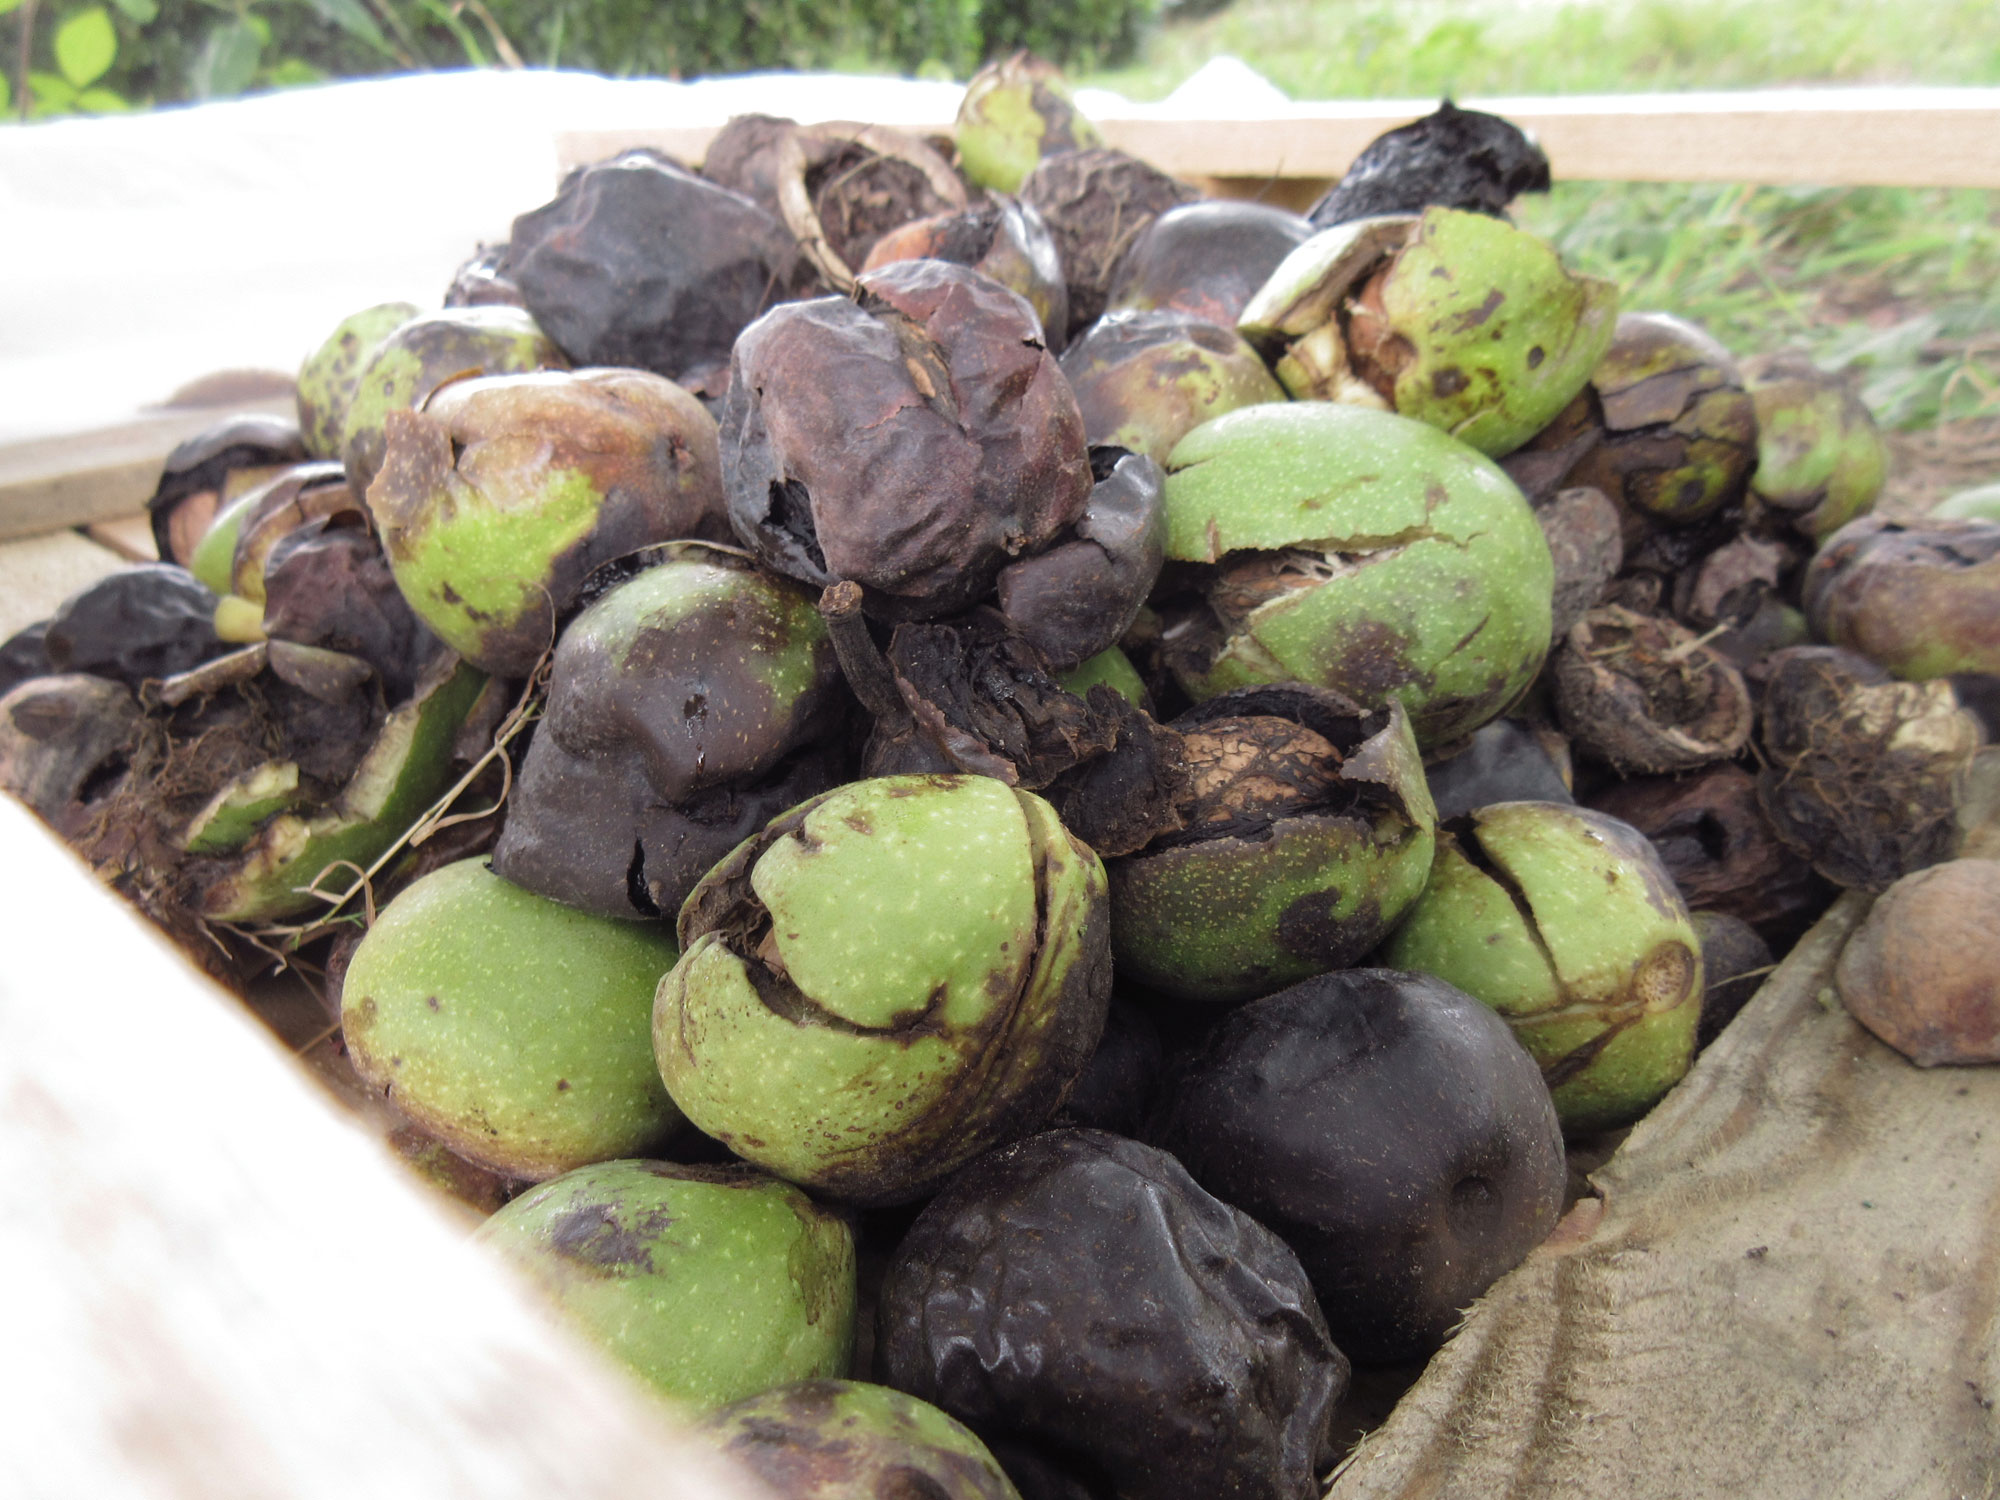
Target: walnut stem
867, 673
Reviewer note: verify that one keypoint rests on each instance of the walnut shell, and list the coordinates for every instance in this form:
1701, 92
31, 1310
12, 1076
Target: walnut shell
1923, 970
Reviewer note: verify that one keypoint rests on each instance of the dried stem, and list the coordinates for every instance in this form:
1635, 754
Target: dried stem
860, 659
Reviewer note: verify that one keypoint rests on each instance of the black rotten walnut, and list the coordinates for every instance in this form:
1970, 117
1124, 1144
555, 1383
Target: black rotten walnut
639, 262
688, 705
1452, 157
1076, 1293
1392, 1131
915, 441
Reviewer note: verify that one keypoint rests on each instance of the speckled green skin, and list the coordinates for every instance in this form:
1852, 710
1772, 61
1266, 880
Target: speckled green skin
709, 1283
785, 644
1013, 114
902, 1015
405, 770
233, 816
1501, 336
327, 379
1591, 957
1437, 584
849, 1440
1111, 667
214, 557
1230, 919
1148, 397
496, 500
511, 1027
1820, 459
414, 359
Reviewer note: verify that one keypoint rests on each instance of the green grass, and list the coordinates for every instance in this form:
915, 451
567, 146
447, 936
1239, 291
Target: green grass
1902, 286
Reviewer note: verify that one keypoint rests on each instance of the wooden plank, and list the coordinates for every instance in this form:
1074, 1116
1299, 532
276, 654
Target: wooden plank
77, 478
131, 537
1856, 137
38, 573
1789, 1288
228, 1290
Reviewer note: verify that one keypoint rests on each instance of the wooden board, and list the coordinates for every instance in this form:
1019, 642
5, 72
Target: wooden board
38, 573
77, 478
224, 1289
1856, 137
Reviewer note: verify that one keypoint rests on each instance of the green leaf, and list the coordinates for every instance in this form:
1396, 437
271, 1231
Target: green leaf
145, 12
292, 72
7, 5
102, 102
352, 17
448, 18
86, 46
52, 94
227, 61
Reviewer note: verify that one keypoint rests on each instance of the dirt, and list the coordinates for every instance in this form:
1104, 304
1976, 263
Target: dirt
1928, 464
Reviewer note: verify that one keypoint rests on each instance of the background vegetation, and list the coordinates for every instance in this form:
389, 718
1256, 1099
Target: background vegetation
85, 56
1901, 287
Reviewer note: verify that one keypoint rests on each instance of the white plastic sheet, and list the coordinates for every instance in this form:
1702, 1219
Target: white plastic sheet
142, 252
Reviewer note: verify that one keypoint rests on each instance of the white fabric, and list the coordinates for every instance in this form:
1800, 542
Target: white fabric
138, 253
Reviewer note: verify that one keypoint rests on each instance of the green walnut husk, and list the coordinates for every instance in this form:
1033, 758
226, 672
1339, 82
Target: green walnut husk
270, 513
514, 1029
1359, 551
849, 1440
1308, 835
1680, 431
1145, 380
1820, 459
1454, 318
331, 373
710, 1284
497, 498
1566, 923
1016, 111
1114, 669
425, 353
266, 876
887, 981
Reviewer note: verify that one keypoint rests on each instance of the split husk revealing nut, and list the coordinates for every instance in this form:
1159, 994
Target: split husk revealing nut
1864, 773
1454, 318
1679, 430
885, 982
1308, 829
1096, 203
972, 694
1643, 693
1923, 970
1565, 922
842, 187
